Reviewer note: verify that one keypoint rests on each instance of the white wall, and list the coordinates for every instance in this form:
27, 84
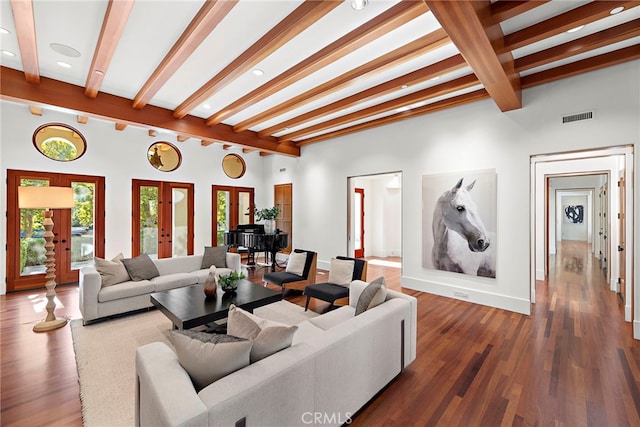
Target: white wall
120, 156
471, 137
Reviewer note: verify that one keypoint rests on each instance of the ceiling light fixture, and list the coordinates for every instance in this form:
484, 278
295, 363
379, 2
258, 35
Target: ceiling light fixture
359, 4
206, 106
573, 30
435, 78
4, 31
404, 87
616, 10
257, 72
63, 64
402, 109
8, 53
65, 50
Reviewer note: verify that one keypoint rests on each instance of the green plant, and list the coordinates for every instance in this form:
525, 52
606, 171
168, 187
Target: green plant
229, 282
266, 213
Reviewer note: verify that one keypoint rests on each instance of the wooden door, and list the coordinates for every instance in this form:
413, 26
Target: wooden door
78, 232
283, 198
622, 287
162, 218
359, 222
232, 206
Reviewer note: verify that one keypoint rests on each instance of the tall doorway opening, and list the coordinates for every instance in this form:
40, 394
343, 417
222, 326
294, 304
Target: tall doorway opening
374, 229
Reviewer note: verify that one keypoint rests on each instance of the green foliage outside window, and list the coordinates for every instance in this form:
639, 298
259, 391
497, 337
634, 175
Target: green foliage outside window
59, 149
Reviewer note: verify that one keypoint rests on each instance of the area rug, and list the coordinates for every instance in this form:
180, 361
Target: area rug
105, 357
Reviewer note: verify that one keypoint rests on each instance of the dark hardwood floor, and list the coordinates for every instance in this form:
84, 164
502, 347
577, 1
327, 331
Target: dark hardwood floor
573, 362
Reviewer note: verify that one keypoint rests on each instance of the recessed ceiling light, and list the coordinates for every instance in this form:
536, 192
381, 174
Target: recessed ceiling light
8, 53
616, 10
99, 72
206, 106
359, 4
63, 64
4, 31
573, 30
65, 50
404, 86
257, 72
402, 109
435, 78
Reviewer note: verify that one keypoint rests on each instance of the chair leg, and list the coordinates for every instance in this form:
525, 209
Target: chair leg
306, 305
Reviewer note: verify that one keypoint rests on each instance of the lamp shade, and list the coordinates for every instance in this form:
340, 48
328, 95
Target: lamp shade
45, 197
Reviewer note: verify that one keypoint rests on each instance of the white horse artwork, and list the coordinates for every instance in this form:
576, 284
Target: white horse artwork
461, 242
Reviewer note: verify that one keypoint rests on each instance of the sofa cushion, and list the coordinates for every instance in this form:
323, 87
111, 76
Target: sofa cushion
209, 357
268, 336
333, 318
214, 255
172, 281
374, 294
111, 272
341, 271
125, 290
307, 331
296, 262
178, 264
141, 268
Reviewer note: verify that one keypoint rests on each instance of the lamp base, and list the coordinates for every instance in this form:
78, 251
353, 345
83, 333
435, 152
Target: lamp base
49, 325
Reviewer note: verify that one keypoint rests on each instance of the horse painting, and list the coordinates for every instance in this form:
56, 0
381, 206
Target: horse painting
461, 242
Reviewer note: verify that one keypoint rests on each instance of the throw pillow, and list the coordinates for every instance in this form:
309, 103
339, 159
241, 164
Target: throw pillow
296, 263
341, 271
214, 255
141, 268
373, 294
209, 357
268, 337
111, 272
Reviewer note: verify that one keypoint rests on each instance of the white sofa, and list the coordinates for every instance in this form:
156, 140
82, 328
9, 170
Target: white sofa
97, 301
336, 364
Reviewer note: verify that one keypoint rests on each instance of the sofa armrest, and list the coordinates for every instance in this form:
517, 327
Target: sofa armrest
89, 286
233, 261
164, 392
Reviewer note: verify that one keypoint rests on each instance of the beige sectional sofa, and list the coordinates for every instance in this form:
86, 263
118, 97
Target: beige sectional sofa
97, 301
335, 365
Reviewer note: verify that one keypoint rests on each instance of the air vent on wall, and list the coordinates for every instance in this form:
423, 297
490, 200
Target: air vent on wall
578, 116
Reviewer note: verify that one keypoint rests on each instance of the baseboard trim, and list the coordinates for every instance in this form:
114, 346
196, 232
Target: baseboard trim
636, 329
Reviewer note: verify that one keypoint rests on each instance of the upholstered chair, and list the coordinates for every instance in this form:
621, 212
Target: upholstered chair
337, 293
300, 271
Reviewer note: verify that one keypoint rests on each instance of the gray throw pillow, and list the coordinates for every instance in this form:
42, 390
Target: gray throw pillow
209, 357
111, 272
141, 268
268, 337
373, 294
214, 255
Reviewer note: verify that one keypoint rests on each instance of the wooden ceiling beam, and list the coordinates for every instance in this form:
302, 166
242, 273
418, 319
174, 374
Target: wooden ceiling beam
594, 41
120, 126
391, 19
582, 15
598, 62
206, 20
416, 77
51, 92
182, 138
35, 110
82, 119
478, 40
297, 21
444, 104
113, 24
404, 101
399, 56
503, 10
152, 133
26, 33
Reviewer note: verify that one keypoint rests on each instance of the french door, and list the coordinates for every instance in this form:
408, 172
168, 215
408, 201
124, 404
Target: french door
162, 224
233, 206
78, 232
283, 198
358, 205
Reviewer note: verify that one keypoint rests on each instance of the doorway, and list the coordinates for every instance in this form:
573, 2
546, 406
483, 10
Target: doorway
233, 206
374, 229
78, 232
162, 218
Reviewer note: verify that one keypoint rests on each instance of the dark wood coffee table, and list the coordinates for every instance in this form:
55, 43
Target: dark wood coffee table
187, 307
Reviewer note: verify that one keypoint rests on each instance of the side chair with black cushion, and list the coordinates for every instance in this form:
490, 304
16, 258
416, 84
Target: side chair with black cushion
300, 271
337, 293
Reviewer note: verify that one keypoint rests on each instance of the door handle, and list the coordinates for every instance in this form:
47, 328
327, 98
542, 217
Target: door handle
620, 248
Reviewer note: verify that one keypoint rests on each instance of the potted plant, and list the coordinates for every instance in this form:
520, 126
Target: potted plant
269, 216
229, 282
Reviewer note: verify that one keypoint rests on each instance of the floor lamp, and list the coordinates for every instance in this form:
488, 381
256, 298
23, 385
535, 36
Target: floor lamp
47, 198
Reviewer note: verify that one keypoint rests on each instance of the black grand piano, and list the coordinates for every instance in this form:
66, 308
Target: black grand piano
253, 237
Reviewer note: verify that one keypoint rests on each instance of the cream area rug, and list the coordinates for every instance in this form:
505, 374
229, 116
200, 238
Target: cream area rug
106, 352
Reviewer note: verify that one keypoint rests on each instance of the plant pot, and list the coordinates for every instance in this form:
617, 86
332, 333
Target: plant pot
269, 226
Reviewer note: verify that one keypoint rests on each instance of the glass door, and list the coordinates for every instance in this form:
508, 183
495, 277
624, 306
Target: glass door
234, 206
162, 218
78, 232
358, 206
